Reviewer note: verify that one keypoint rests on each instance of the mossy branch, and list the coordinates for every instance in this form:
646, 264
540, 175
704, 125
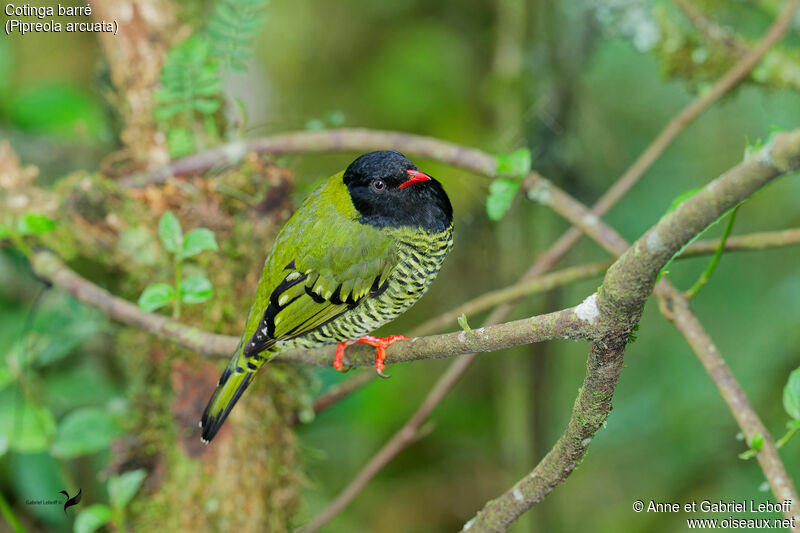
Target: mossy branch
560, 324
47, 266
617, 308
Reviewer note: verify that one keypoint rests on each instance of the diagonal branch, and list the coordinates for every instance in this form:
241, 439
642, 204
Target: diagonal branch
753, 241
676, 308
603, 367
618, 306
480, 162
564, 324
635, 172
336, 140
49, 267
46, 265
712, 30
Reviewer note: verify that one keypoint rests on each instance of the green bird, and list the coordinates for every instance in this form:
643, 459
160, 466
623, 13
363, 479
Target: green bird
360, 250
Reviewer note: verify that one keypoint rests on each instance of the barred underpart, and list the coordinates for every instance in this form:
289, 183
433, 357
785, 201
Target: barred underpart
419, 259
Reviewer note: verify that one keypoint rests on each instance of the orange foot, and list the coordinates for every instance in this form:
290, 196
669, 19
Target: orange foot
380, 355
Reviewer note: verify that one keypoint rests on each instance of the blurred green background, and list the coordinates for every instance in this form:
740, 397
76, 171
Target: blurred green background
585, 86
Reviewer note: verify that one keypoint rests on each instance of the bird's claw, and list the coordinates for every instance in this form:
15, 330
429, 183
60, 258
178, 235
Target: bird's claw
338, 358
380, 345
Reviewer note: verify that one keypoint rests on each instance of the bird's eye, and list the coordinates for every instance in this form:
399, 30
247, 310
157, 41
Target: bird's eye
378, 185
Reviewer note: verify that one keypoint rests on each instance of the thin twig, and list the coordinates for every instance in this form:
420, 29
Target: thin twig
512, 293
712, 30
49, 267
337, 393
344, 139
676, 308
210, 344
617, 308
751, 241
635, 172
593, 402
402, 438
712, 265
526, 287
561, 324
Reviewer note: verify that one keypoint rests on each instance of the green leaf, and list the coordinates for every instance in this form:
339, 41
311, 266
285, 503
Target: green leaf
678, 200
122, 488
791, 394
155, 296
675, 203
77, 386
462, 321
196, 241
758, 441
315, 124
516, 164
205, 106
92, 518
501, 194
335, 118
29, 428
231, 29
190, 84
748, 454
170, 232
5, 231
195, 290
180, 142
35, 224
84, 431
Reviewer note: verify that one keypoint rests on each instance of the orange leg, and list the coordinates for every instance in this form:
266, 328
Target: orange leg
337, 359
380, 344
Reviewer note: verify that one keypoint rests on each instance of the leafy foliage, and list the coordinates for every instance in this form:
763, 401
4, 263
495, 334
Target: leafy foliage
503, 190
170, 232
122, 488
84, 431
195, 290
189, 84
231, 30
196, 241
791, 395
26, 225
92, 518
24, 426
191, 290
678, 200
191, 78
35, 224
462, 321
156, 296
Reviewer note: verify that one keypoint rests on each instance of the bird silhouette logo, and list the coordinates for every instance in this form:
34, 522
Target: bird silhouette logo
71, 501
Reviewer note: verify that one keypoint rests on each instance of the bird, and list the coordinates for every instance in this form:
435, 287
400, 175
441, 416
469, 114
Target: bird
359, 251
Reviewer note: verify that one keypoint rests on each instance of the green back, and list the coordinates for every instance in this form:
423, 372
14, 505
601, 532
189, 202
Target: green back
324, 241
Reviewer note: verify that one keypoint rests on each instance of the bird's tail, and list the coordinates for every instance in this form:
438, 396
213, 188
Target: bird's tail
231, 386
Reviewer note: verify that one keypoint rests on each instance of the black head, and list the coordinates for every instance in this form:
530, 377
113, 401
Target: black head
388, 190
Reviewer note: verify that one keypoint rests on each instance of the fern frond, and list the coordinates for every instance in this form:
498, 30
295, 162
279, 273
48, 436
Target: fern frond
189, 84
231, 30
189, 81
